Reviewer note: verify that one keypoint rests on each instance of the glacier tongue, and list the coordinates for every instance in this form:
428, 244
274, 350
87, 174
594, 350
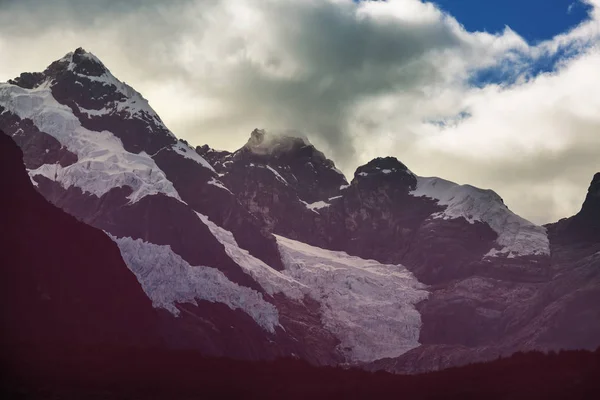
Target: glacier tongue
516, 235
368, 306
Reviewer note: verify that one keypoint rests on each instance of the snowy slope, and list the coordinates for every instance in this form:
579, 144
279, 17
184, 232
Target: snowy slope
516, 236
368, 306
102, 162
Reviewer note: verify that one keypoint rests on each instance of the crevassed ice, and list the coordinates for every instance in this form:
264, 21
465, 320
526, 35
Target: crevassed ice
167, 279
102, 164
368, 306
516, 235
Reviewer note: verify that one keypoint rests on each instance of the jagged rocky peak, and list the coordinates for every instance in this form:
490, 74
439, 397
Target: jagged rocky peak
206, 150
79, 62
592, 200
215, 157
86, 63
588, 219
286, 159
257, 138
28, 80
262, 142
388, 168
288, 148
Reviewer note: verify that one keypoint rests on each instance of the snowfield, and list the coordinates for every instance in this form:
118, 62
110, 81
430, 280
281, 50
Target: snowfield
102, 163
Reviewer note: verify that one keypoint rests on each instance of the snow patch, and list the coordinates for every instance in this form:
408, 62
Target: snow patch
94, 113
308, 206
167, 279
516, 235
218, 184
317, 205
279, 177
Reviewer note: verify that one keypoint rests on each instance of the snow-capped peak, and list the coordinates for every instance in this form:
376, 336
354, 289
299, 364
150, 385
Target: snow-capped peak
108, 125
87, 67
388, 168
84, 63
516, 235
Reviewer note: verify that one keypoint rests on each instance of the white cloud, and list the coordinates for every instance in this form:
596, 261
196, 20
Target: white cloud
361, 80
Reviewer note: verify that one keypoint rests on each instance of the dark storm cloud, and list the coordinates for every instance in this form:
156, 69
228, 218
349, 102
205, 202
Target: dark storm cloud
358, 79
337, 56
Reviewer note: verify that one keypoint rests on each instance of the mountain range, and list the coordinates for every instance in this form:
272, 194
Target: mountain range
120, 233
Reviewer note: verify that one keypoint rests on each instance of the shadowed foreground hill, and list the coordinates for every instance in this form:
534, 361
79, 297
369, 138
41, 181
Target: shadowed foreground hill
111, 373
60, 279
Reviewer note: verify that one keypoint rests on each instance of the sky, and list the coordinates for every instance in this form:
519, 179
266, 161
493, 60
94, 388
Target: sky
496, 94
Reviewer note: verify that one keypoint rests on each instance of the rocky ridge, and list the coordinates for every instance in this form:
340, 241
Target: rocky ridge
271, 242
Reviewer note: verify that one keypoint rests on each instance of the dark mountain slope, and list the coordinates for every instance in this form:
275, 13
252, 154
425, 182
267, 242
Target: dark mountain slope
61, 280
118, 373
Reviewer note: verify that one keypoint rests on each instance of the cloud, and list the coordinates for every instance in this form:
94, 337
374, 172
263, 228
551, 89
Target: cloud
360, 79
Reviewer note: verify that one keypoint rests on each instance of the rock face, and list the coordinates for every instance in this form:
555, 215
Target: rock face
270, 243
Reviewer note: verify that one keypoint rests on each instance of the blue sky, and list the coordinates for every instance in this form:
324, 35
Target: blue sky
534, 20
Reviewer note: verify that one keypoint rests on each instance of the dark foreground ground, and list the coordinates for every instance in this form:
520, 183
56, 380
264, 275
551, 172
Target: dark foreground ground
111, 373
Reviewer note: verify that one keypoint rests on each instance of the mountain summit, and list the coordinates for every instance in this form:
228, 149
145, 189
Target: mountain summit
268, 251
